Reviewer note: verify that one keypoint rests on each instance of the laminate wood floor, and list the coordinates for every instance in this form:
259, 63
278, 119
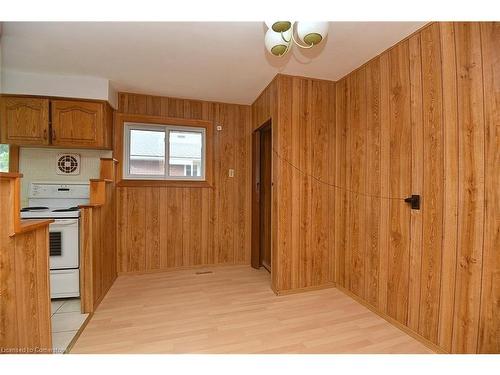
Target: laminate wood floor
233, 310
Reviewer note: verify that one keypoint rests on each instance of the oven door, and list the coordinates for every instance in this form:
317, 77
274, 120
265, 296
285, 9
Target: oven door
64, 244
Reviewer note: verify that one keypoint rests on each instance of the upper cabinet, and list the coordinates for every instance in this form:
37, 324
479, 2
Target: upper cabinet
54, 122
24, 121
81, 124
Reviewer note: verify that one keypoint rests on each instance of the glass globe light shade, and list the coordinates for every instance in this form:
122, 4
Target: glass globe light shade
312, 33
275, 43
279, 26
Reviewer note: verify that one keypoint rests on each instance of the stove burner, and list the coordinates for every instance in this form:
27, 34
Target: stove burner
66, 209
25, 209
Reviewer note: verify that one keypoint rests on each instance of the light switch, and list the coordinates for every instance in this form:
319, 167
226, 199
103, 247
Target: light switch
231, 173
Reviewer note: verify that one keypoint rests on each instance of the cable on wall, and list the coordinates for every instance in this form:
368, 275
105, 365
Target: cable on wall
329, 184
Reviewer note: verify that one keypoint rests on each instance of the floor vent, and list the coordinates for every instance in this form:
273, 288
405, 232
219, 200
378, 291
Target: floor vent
203, 272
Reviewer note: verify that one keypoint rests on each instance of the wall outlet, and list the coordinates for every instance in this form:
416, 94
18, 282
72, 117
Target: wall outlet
231, 173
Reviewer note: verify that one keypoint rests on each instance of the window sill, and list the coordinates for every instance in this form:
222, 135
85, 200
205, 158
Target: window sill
164, 183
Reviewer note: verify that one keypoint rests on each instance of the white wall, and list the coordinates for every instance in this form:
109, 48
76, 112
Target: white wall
39, 164
28, 83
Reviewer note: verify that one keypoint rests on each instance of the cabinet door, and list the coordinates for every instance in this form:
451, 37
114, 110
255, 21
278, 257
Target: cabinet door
76, 123
24, 120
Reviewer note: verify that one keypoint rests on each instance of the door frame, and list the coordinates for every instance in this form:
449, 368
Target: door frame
256, 224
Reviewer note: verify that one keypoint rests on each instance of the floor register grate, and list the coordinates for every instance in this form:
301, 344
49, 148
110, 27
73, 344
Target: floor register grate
203, 272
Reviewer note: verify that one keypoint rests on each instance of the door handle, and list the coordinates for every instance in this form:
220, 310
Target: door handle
413, 201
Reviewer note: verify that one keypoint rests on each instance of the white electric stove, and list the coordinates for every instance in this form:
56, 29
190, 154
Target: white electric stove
60, 201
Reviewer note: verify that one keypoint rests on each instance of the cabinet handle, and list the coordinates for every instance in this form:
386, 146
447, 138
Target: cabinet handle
53, 135
45, 134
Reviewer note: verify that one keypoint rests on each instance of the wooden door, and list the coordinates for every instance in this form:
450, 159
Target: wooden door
77, 124
24, 121
265, 197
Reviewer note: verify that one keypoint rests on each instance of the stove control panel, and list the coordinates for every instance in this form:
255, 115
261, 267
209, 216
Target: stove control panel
59, 190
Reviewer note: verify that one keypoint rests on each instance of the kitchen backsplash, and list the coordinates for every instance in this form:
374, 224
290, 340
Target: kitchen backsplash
39, 164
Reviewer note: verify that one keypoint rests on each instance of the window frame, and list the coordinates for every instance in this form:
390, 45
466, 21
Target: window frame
166, 130
154, 121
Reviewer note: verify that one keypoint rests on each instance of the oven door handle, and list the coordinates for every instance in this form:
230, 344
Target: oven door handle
64, 222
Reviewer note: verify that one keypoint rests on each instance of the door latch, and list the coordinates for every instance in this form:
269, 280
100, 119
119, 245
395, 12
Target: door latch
414, 202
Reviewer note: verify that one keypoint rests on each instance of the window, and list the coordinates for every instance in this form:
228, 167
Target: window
163, 152
4, 158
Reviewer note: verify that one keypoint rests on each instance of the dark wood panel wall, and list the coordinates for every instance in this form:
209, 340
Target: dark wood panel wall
303, 117
161, 228
423, 118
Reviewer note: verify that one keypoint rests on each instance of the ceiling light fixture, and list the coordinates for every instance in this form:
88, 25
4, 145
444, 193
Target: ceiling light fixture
280, 35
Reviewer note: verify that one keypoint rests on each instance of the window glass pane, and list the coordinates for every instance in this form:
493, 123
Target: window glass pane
4, 158
185, 149
147, 152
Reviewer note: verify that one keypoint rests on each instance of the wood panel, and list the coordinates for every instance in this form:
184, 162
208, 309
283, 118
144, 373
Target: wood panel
400, 183
471, 186
265, 106
385, 158
357, 182
417, 178
450, 204
152, 223
372, 182
438, 101
160, 227
341, 192
432, 189
98, 248
303, 132
25, 325
489, 323
175, 234
322, 139
14, 158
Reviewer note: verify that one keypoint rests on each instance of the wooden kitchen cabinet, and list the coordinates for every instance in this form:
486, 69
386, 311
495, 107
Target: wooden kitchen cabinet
24, 120
65, 123
80, 124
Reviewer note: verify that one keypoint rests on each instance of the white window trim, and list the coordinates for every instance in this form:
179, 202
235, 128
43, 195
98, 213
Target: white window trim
128, 126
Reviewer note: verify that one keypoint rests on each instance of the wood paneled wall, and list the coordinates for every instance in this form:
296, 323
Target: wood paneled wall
161, 228
424, 118
98, 248
265, 107
25, 325
303, 117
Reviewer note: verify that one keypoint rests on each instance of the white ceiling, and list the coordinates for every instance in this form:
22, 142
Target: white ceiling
219, 61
